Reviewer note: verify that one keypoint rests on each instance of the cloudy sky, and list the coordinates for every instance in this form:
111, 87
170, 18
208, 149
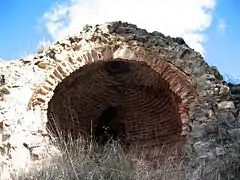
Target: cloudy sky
211, 27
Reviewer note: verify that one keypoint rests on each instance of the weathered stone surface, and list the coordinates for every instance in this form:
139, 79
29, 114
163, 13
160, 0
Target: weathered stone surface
226, 104
17, 126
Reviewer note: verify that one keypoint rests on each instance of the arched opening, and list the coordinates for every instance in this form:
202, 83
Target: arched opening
117, 98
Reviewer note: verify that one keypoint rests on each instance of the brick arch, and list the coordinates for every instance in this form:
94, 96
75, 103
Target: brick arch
179, 83
146, 108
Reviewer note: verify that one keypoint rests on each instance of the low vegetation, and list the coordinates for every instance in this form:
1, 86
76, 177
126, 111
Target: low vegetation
85, 160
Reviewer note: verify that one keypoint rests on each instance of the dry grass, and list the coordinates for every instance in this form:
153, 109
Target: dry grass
86, 160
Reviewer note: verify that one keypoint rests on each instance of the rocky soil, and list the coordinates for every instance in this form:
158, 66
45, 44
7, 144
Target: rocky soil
215, 119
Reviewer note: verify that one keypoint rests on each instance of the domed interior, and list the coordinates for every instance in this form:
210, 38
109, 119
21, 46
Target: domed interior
118, 98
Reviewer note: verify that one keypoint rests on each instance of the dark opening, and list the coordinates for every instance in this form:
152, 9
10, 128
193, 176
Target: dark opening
108, 127
117, 66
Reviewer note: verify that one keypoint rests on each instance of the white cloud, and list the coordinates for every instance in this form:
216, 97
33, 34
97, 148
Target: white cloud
185, 18
222, 26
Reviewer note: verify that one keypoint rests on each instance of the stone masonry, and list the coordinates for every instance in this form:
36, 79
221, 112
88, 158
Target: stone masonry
33, 88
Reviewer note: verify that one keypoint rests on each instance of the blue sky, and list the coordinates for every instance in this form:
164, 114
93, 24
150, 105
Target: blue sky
19, 31
23, 23
223, 50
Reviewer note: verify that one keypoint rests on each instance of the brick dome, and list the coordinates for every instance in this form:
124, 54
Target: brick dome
120, 98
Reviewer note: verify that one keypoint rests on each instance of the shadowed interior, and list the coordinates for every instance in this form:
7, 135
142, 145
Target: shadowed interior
116, 98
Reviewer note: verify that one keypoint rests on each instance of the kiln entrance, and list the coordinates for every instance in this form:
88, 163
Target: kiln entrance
116, 98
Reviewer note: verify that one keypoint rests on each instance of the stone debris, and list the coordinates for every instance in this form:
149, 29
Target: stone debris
23, 133
226, 104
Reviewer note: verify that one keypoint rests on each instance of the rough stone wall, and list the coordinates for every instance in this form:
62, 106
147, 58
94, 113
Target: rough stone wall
214, 108
235, 93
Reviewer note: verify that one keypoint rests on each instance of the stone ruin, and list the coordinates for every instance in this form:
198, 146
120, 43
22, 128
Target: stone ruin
144, 87
150, 95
